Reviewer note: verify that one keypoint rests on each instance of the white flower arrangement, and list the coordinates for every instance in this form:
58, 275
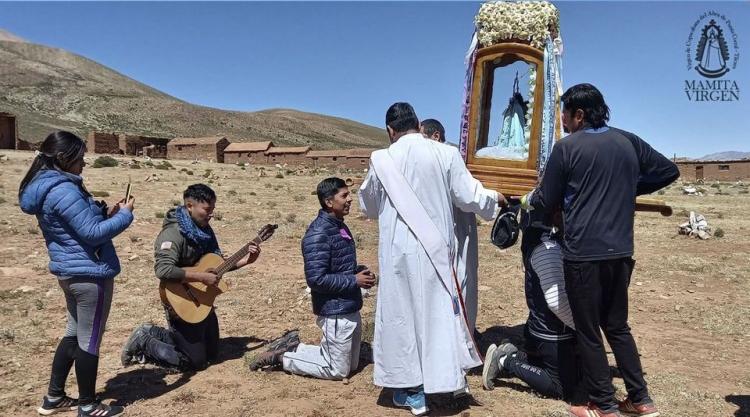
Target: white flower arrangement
532, 21
530, 109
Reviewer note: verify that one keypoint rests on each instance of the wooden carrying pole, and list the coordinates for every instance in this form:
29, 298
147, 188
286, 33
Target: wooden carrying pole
647, 204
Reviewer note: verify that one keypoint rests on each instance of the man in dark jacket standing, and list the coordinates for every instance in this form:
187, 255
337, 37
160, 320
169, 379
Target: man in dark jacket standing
595, 174
331, 272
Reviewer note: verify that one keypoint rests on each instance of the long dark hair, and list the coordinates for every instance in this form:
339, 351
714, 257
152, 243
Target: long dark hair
589, 99
59, 151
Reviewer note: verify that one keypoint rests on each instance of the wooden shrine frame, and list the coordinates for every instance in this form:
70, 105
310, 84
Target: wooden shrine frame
510, 177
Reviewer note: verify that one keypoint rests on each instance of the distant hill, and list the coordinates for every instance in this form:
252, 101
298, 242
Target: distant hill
49, 88
725, 156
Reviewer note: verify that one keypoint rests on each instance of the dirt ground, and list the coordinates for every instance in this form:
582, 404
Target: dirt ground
690, 303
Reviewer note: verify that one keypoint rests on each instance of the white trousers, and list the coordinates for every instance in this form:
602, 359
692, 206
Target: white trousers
338, 353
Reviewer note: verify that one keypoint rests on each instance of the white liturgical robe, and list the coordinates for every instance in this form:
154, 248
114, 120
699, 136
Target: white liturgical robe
421, 333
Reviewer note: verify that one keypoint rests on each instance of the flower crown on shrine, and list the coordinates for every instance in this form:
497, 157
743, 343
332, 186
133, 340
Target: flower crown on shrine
528, 21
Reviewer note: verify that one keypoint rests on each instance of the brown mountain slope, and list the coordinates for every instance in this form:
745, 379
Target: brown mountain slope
49, 88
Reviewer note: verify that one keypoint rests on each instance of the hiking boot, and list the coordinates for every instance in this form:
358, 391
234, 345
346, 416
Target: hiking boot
289, 338
64, 403
416, 401
100, 409
132, 350
267, 359
647, 409
590, 410
272, 357
492, 367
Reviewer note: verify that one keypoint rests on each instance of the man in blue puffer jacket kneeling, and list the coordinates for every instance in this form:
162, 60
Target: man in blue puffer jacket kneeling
334, 280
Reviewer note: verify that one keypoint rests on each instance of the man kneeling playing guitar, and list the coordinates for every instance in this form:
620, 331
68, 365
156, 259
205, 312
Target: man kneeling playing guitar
184, 239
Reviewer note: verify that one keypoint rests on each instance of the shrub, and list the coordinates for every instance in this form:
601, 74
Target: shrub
159, 214
715, 185
279, 175
2, 200
299, 197
218, 215
232, 192
719, 232
135, 166
176, 202
100, 194
661, 192
268, 185
253, 193
743, 192
247, 217
207, 173
291, 217
149, 164
33, 230
105, 161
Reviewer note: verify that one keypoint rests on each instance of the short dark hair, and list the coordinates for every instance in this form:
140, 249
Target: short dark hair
328, 188
430, 126
401, 117
588, 98
201, 193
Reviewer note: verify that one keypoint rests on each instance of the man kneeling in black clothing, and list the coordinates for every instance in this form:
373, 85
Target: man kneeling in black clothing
185, 237
548, 361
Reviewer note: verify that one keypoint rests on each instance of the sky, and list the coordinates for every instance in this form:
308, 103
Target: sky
354, 59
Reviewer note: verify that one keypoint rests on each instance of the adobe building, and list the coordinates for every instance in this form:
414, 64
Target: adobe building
714, 170
143, 146
23, 145
8, 131
288, 155
358, 158
247, 152
101, 142
208, 148
328, 159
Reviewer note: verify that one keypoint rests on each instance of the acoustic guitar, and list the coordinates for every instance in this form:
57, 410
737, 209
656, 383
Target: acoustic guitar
192, 301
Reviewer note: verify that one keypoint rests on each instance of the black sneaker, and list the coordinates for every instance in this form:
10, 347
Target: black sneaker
132, 350
289, 338
51, 407
100, 409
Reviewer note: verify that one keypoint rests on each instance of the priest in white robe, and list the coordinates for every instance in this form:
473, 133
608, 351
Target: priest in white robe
467, 245
423, 342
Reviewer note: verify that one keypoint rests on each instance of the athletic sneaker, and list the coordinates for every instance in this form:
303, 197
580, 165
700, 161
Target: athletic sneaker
590, 411
100, 409
416, 401
132, 350
640, 410
65, 403
492, 367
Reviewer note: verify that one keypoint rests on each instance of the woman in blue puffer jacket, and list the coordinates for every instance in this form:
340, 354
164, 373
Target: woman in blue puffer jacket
78, 232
